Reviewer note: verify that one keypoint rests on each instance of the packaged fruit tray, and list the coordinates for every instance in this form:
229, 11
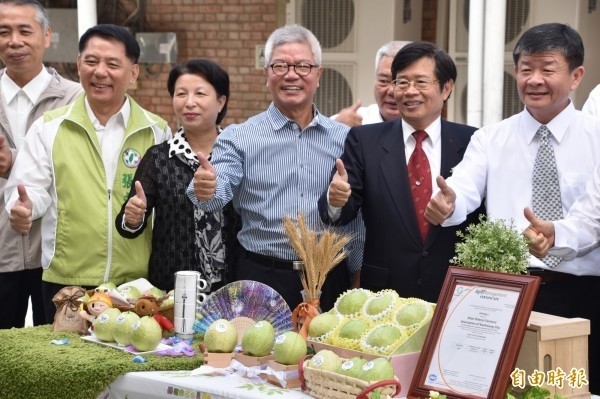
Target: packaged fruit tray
322, 384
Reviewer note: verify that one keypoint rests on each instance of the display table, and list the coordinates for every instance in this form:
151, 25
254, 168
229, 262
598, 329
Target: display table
167, 384
32, 367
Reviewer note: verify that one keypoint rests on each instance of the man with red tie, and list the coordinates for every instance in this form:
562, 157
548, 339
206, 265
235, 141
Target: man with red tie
387, 171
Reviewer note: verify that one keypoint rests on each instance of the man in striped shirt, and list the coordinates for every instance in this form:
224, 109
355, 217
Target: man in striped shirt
277, 164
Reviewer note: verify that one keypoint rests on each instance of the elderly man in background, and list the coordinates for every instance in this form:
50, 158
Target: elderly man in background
76, 169
28, 89
385, 108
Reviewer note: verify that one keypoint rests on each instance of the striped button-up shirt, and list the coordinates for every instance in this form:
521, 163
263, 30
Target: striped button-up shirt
270, 169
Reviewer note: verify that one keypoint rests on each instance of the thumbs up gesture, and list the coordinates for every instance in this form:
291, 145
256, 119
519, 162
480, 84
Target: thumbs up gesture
339, 188
540, 234
5, 157
136, 207
349, 116
20, 214
205, 179
441, 205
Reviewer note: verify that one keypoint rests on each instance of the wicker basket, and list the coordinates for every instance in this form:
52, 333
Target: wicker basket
169, 312
323, 384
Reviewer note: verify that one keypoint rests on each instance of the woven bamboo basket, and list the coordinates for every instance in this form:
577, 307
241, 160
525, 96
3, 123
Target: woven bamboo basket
323, 384
169, 312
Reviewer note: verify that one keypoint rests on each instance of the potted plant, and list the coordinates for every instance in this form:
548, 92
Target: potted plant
492, 245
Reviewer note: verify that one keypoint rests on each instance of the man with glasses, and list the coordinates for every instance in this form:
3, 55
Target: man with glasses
276, 164
387, 171
385, 108
541, 158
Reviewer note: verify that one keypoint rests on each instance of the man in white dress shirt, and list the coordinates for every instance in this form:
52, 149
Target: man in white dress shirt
28, 90
385, 108
499, 164
592, 104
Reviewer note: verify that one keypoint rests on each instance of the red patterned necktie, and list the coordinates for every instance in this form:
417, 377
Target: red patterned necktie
419, 176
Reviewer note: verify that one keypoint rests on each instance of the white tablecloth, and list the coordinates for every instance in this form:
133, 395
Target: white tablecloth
180, 384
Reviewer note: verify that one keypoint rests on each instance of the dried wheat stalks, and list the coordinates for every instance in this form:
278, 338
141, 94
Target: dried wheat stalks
319, 252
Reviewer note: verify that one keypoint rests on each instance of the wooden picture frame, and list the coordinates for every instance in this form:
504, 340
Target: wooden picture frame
475, 335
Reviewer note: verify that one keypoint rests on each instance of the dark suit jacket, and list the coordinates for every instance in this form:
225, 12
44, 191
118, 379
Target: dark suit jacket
395, 256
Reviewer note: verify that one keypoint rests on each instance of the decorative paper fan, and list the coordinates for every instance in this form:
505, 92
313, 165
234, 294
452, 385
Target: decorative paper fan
245, 298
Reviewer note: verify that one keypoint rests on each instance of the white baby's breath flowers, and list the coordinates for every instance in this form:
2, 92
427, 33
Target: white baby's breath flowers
492, 245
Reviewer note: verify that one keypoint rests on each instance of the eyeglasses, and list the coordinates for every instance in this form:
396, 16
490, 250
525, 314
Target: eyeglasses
420, 84
302, 69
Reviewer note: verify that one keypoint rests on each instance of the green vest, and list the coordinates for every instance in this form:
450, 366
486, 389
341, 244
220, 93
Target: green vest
88, 248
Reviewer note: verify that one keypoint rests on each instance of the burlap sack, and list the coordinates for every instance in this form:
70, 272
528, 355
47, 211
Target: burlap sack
67, 316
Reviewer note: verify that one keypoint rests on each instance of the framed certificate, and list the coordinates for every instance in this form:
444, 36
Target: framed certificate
475, 334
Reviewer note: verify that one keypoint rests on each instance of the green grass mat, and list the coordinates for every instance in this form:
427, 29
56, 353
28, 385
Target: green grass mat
31, 367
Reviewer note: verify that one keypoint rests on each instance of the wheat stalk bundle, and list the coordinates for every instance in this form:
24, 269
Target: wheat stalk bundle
320, 253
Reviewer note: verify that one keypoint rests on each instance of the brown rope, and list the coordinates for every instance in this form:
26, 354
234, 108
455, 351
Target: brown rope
303, 314
70, 300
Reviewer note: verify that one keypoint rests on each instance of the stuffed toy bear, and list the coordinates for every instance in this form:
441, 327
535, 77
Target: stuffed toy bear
147, 305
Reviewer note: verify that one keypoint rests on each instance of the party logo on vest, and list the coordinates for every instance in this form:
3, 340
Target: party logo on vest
131, 158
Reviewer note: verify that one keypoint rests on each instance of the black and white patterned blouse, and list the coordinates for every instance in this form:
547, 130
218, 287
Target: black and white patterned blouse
184, 236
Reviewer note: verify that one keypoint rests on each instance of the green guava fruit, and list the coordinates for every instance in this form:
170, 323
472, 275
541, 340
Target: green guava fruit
85, 298
325, 360
322, 324
383, 336
289, 348
156, 292
378, 304
146, 334
258, 340
122, 329
104, 323
412, 313
351, 367
353, 329
129, 291
351, 302
108, 286
221, 336
167, 302
378, 369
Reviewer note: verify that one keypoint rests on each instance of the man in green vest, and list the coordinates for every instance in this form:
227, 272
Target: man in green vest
76, 168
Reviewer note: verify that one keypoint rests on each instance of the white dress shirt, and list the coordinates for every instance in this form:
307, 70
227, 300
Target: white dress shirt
592, 104
432, 146
579, 232
110, 138
19, 102
498, 166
